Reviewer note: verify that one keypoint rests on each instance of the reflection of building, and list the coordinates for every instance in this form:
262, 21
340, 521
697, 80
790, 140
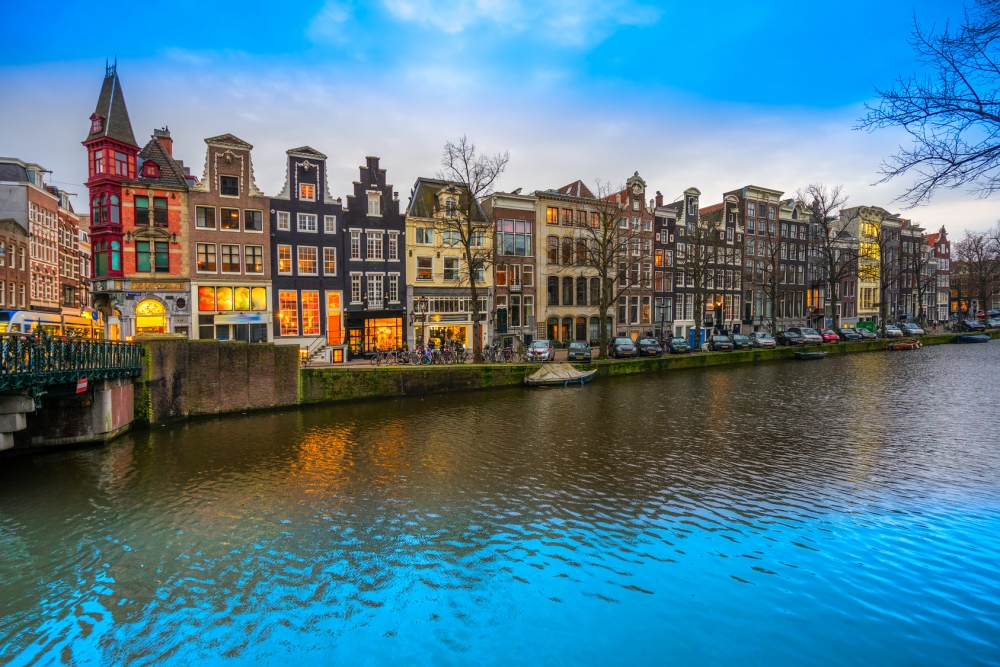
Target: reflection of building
306, 258
374, 270
513, 218
436, 263
230, 246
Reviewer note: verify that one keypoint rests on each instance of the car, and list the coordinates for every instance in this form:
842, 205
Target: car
971, 325
541, 350
892, 331
649, 347
741, 342
579, 350
791, 337
622, 347
993, 322
911, 329
829, 336
866, 334
811, 336
721, 344
762, 339
849, 334
678, 346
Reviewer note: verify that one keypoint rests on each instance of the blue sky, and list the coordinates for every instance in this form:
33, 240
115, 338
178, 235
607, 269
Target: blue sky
713, 95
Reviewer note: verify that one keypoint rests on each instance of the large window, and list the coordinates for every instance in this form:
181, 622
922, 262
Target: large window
206, 257
153, 256
514, 238
374, 245
425, 268
553, 291
307, 223
229, 218
229, 186
581, 291
253, 221
160, 211
121, 164
308, 264
285, 260
552, 250
254, 258
334, 323
329, 261
310, 313
451, 268
141, 210
230, 258
288, 313
567, 289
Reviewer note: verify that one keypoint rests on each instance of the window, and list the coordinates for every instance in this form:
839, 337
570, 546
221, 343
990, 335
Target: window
121, 164
729, 234
285, 260
98, 161
425, 268
355, 288
355, 244
307, 192
393, 247
254, 255
393, 288
424, 236
647, 248
307, 261
647, 278
205, 217
528, 275
230, 258
310, 313
553, 291
374, 203
567, 251
229, 218
581, 291
284, 221
307, 223
567, 289
477, 239
645, 310
253, 221
552, 215
750, 226
751, 209
2, 292
449, 238
329, 261
770, 212
552, 251
374, 245
451, 268
206, 257
229, 186
784, 230
450, 209
288, 313
567, 216
141, 203
206, 299
160, 211
622, 309
330, 224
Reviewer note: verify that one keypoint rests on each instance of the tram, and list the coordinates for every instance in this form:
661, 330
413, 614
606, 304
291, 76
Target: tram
86, 325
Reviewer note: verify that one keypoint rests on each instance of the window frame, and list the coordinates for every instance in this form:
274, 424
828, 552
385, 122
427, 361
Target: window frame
235, 179
299, 258
228, 247
213, 254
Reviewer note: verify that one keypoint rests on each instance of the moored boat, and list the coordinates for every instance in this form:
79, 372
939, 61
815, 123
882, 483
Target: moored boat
903, 345
810, 355
553, 375
972, 338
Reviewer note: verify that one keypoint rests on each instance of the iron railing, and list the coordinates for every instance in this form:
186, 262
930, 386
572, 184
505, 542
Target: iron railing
36, 360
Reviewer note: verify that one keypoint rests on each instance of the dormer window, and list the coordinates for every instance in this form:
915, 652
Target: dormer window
96, 124
150, 169
450, 209
307, 192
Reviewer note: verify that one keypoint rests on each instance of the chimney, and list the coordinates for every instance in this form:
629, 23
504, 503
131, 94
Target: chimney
659, 198
163, 136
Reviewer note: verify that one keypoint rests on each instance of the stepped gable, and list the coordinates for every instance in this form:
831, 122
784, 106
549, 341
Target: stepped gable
111, 108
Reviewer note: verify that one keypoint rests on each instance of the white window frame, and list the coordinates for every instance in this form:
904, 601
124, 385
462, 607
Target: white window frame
374, 240
298, 260
329, 224
284, 221
355, 287
239, 258
355, 244
306, 218
393, 246
307, 185
416, 274
278, 259
393, 289
333, 252
376, 198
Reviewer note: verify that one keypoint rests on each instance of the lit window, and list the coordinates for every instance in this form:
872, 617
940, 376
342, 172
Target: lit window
329, 261
285, 260
307, 192
206, 257
307, 261
254, 255
206, 298
425, 268
288, 313
230, 258
229, 218
310, 313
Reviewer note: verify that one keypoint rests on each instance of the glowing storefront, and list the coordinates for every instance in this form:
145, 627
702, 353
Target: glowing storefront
233, 313
150, 317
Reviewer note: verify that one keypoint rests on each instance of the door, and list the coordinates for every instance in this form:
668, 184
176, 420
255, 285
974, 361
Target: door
334, 321
581, 328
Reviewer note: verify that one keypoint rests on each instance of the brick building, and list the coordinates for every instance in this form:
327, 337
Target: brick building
941, 247
14, 274
671, 285
513, 218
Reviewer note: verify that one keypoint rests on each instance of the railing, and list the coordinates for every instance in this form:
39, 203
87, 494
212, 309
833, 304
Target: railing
515, 286
374, 304
37, 360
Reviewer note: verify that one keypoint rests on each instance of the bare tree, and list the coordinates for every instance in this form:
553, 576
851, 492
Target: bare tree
828, 241
889, 269
925, 282
475, 176
952, 114
606, 244
766, 274
979, 256
698, 258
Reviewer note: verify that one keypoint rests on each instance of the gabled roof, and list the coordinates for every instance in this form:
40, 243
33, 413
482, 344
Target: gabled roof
171, 172
228, 140
111, 108
576, 189
306, 151
423, 203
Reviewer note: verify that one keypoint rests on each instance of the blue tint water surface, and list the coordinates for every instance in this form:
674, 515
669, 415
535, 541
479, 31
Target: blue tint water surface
839, 512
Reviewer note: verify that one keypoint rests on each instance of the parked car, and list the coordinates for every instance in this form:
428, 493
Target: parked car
866, 334
622, 347
762, 339
579, 350
971, 325
911, 329
791, 337
649, 347
893, 331
741, 342
848, 334
678, 346
541, 350
811, 336
721, 344
829, 336
993, 322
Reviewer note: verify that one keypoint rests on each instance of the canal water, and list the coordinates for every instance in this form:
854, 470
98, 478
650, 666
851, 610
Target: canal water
835, 512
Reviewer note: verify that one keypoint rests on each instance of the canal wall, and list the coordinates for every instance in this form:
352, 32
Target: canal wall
190, 378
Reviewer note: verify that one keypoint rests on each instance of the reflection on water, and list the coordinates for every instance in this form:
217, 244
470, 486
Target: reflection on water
840, 511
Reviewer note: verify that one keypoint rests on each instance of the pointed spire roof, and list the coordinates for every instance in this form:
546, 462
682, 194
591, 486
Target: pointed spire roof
115, 123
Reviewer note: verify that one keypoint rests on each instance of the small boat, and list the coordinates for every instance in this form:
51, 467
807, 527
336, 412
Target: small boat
553, 375
810, 355
903, 345
972, 338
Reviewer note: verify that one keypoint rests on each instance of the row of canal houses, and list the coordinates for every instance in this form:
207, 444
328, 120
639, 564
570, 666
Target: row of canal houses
215, 258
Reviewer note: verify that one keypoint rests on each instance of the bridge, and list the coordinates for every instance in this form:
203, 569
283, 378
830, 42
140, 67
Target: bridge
95, 373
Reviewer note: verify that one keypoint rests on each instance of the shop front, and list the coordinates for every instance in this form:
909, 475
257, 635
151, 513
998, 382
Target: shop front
233, 312
365, 336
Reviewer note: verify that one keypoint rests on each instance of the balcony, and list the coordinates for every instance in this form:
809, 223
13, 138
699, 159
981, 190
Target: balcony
374, 304
515, 286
